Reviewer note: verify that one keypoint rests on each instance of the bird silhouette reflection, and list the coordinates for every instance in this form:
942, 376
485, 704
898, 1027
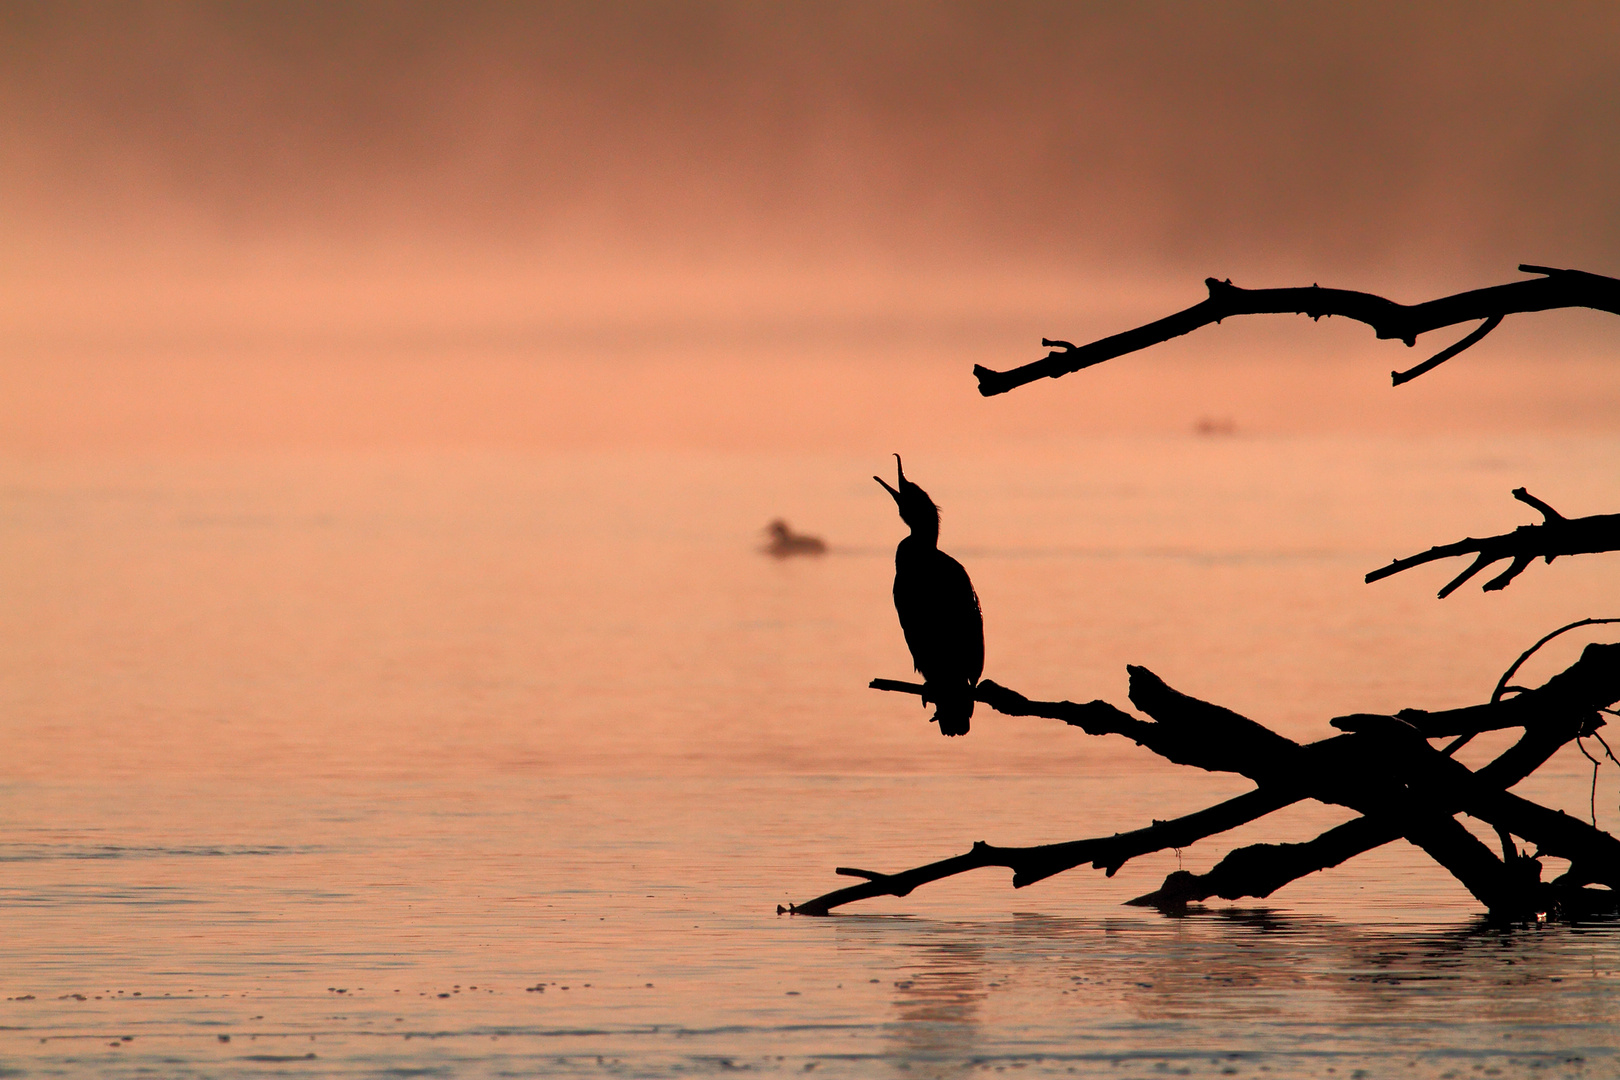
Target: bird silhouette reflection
939, 611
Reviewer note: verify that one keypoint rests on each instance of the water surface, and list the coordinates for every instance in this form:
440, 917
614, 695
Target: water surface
486, 764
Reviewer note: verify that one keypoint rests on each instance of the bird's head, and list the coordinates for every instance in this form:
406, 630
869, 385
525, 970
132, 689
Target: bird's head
916, 508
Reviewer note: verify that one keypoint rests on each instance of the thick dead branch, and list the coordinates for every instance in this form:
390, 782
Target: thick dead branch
1212, 737
1383, 768
1401, 322
1420, 767
1357, 775
1594, 855
1261, 869
1574, 694
1564, 708
1556, 535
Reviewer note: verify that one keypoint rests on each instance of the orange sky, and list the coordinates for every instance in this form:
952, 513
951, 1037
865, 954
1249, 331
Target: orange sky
671, 176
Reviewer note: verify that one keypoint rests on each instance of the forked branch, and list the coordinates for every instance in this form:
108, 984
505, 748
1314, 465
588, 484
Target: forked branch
1555, 288
1554, 536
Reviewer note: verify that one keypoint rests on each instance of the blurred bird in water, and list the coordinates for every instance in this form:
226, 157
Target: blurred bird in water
939, 611
785, 542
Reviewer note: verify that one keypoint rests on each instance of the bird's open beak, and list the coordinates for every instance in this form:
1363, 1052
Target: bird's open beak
899, 469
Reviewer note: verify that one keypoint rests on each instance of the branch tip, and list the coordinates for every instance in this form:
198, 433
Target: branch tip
1399, 377
1478, 564
1547, 512
1515, 568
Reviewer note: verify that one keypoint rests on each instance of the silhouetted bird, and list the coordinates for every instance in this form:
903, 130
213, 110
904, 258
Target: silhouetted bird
939, 611
785, 542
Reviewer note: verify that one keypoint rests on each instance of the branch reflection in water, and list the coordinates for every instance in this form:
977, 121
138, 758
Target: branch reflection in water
1246, 988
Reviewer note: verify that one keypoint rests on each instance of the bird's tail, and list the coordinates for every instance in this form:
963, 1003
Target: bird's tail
952, 709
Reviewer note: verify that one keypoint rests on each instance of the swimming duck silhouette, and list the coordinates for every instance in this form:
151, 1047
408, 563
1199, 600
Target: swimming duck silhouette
786, 542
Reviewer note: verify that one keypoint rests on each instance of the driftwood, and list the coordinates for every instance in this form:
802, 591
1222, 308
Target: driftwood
1556, 535
1383, 767
1555, 288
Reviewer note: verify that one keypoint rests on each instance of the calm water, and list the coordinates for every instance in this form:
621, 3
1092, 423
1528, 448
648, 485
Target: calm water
472, 765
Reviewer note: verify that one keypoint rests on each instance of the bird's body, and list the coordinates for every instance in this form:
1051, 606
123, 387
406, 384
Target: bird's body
939, 611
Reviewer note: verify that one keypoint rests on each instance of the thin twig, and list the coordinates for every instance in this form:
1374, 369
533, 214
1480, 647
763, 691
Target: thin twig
1595, 763
1399, 377
1502, 683
1502, 686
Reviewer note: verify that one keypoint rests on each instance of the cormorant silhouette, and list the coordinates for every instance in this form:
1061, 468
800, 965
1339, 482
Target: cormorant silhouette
939, 611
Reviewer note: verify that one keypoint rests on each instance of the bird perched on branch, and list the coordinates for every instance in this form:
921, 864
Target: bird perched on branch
939, 611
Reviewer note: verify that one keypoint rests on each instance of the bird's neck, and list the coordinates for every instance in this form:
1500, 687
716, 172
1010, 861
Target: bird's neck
923, 537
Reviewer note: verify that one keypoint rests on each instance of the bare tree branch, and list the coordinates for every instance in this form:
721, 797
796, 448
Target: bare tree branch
1184, 730
1555, 288
1261, 869
1384, 768
1562, 709
1357, 774
1578, 692
1032, 864
1554, 536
